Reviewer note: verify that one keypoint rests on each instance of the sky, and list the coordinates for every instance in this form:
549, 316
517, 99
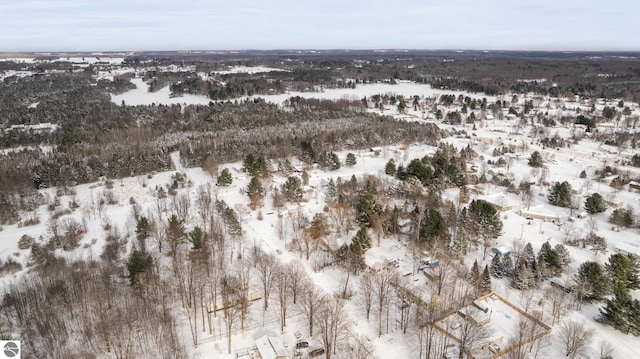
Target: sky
138, 25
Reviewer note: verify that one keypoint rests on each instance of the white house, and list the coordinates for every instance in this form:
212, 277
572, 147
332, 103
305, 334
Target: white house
271, 348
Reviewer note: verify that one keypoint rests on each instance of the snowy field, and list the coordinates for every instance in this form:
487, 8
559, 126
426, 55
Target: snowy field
247, 70
141, 95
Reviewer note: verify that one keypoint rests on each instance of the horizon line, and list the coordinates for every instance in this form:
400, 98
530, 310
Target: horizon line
390, 49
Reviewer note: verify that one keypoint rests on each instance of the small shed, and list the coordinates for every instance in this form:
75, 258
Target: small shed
501, 250
271, 348
474, 315
481, 306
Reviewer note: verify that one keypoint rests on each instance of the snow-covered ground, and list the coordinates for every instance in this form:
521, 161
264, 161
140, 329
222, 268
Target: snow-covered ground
247, 70
565, 164
141, 96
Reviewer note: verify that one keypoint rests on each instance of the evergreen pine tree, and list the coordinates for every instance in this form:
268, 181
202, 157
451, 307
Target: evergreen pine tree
333, 162
485, 281
401, 173
616, 311
361, 242
264, 167
536, 159
594, 281
143, 227
623, 271
197, 237
225, 178
474, 274
252, 165
285, 167
595, 204
460, 243
292, 189
527, 256
541, 271
342, 254
516, 276
560, 194
433, 227
534, 271
255, 192
175, 233
366, 206
496, 267
522, 277
390, 168
507, 265
485, 220
544, 250
624, 217
331, 196
554, 262
136, 265
550, 262
563, 253
634, 318
350, 161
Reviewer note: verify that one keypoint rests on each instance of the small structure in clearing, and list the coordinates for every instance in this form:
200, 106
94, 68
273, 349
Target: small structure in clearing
543, 216
485, 329
271, 348
501, 251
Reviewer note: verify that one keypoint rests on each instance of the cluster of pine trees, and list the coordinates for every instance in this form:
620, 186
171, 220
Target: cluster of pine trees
445, 168
622, 274
528, 270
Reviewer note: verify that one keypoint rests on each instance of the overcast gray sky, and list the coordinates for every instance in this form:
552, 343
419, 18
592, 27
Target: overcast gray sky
112, 25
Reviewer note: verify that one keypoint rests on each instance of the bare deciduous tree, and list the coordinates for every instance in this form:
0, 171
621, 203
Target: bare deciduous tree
181, 205
521, 333
606, 350
404, 304
230, 303
556, 300
366, 283
282, 291
359, 347
158, 230
333, 325
382, 280
575, 338
469, 334
205, 204
443, 274
310, 299
296, 276
268, 270
428, 336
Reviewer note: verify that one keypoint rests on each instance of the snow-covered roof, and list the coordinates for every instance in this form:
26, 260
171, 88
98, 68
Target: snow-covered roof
471, 312
501, 250
271, 348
